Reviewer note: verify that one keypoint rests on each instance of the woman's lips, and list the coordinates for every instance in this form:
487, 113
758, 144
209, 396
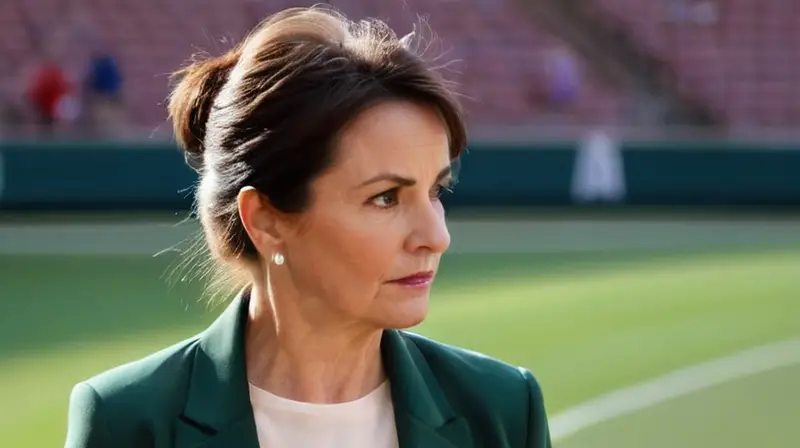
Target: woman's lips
420, 279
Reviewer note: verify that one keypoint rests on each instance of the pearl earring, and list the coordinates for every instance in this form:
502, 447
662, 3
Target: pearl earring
277, 258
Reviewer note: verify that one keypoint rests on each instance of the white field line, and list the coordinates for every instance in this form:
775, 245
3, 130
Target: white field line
673, 385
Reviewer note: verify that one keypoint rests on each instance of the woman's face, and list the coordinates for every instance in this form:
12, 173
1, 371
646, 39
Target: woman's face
369, 245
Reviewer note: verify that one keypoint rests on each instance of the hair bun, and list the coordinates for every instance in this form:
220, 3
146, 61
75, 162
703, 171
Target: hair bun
191, 101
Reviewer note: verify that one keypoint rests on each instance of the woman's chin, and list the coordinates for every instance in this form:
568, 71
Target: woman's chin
407, 314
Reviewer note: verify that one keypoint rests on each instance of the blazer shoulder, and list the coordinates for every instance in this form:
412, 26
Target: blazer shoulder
488, 389
449, 359
151, 373
119, 403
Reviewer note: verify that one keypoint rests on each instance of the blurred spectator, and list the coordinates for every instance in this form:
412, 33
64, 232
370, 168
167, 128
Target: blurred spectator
98, 71
563, 78
103, 93
51, 95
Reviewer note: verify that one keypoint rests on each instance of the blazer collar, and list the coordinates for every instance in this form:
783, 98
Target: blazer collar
423, 415
218, 411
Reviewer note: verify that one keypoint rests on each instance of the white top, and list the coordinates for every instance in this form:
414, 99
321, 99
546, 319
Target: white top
367, 422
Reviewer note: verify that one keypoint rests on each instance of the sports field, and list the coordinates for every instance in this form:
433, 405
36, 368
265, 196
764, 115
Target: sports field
600, 311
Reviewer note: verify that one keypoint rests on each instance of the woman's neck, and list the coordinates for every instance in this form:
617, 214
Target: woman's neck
292, 358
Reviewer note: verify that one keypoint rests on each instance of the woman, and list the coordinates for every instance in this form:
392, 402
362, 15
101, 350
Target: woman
323, 146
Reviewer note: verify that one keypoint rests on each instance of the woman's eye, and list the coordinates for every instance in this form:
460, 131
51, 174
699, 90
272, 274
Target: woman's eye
391, 198
385, 200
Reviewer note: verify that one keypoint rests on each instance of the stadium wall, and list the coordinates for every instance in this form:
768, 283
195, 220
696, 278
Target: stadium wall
68, 176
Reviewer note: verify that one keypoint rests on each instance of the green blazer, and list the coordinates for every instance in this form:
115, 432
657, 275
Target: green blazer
195, 395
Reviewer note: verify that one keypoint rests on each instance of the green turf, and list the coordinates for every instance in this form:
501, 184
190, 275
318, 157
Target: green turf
757, 411
584, 323
626, 324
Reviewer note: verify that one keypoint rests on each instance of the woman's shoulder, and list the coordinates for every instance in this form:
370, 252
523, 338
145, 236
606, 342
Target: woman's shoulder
470, 362
474, 371
487, 389
130, 396
155, 372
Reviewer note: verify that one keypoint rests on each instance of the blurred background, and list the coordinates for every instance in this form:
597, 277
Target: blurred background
626, 223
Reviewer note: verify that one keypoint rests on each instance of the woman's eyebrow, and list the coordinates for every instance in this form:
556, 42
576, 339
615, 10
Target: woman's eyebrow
401, 180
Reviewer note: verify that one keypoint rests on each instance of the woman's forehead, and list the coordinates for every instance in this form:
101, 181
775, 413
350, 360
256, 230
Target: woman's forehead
395, 134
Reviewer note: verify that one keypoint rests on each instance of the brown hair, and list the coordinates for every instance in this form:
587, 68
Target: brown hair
267, 113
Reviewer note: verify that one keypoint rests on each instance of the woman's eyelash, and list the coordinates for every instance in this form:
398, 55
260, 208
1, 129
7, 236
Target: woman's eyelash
389, 198
439, 189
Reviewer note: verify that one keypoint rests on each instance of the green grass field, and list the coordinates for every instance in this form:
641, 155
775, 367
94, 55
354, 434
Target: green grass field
585, 322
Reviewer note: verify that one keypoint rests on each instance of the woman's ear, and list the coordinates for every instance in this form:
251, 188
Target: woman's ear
259, 218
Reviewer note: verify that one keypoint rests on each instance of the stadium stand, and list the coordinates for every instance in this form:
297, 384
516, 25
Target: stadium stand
497, 51
742, 56
743, 62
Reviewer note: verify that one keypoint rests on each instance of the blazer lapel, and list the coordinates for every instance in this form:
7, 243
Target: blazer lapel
423, 415
218, 411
